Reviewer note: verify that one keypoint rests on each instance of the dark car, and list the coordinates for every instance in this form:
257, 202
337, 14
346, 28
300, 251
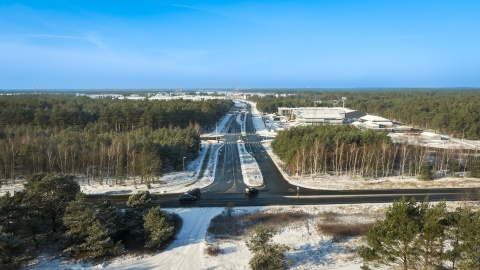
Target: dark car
195, 192
251, 191
187, 197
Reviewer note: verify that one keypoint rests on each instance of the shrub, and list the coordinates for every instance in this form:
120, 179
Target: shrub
343, 230
266, 254
330, 217
212, 250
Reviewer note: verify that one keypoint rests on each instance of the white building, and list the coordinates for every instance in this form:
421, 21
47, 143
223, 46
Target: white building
372, 121
320, 115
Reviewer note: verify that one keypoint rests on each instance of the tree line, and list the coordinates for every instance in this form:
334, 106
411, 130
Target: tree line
454, 112
270, 104
52, 214
347, 150
61, 111
101, 139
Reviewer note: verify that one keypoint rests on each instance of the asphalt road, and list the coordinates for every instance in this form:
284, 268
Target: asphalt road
229, 187
210, 199
228, 175
274, 181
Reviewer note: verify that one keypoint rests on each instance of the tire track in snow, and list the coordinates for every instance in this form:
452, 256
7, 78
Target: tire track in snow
186, 252
198, 233
183, 246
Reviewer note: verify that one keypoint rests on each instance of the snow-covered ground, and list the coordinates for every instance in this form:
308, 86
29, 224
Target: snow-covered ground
343, 182
176, 182
309, 248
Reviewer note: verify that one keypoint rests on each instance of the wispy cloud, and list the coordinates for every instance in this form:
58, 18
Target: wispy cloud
219, 13
402, 37
202, 9
88, 38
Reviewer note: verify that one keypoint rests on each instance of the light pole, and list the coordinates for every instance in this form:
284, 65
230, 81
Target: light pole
184, 164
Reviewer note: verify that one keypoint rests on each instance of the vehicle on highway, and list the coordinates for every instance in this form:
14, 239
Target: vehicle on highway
195, 192
187, 197
251, 191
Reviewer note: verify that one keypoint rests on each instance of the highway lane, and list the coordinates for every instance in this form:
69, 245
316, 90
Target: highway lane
273, 178
228, 175
305, 198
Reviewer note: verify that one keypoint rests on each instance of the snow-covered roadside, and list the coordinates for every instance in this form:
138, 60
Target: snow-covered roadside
220, 127
344, 182
258, 123
187, 252
175, 182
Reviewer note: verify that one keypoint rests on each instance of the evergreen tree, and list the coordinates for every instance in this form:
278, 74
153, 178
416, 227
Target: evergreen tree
48, 196
32, 229
267, 255
393, 239
10, 212
139, 204
16, 217
89, 229
432, 240
426, 173
79, 216
150, 162
121, 171
468, 223
453, 166
12, 249
158, 228
108, 215
98, 244
474, 168
424, 237
141, 200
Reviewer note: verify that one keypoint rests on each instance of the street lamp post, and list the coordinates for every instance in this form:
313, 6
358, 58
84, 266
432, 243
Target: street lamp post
184, 164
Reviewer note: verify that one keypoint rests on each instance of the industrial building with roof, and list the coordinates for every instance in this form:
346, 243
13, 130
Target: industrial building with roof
320, 115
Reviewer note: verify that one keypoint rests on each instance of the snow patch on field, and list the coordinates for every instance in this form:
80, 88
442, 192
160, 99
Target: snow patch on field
309, 248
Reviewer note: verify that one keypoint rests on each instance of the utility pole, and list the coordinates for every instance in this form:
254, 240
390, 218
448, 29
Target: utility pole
184, 164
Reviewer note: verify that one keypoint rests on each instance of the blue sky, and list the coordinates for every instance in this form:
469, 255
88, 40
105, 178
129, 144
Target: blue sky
239, 44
